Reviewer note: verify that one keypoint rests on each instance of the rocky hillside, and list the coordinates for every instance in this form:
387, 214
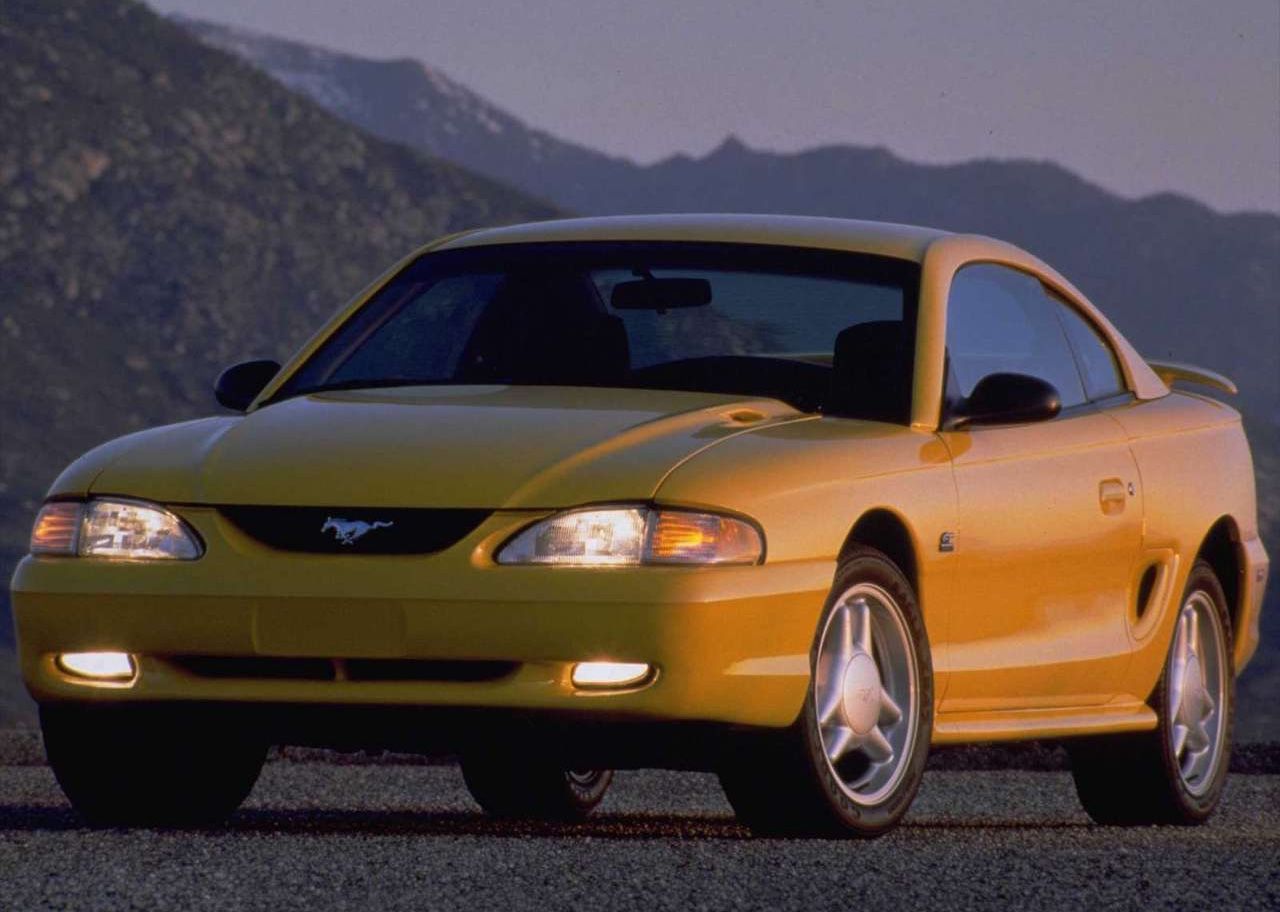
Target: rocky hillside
166, 209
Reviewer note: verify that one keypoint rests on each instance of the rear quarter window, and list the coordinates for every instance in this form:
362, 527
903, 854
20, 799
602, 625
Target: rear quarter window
1098, 365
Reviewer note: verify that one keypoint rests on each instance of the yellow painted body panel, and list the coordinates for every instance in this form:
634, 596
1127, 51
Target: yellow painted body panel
243, 599
1196, 469
1047, 570
487, 446
1031, 619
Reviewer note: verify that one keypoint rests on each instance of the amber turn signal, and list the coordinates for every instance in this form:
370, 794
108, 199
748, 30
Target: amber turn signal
57, 528
678, 537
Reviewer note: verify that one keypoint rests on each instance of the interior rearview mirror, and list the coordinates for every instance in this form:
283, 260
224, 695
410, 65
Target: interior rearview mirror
660, 294
240, 384
1008, 399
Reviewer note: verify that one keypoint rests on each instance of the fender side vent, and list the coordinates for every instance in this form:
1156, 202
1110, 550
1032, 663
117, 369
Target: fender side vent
1146, 587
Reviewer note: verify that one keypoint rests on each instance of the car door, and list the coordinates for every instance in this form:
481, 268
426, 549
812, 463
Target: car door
1049, 512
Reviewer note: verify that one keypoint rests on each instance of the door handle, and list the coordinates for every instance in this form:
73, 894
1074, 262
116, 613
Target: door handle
1111, 495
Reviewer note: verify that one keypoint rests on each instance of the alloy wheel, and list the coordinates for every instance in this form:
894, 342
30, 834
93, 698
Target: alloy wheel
1197, 684
866, 693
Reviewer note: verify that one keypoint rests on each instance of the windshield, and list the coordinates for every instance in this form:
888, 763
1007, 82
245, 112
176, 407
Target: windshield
820, 330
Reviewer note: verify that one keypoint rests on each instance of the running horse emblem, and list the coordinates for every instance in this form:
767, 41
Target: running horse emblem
349, 531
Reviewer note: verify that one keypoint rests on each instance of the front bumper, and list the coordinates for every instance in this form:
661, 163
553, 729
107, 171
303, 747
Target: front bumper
729, 644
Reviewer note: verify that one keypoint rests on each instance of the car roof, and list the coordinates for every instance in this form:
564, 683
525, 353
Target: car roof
904, 242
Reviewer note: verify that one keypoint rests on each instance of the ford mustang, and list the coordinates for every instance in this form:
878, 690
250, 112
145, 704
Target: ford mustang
787, 499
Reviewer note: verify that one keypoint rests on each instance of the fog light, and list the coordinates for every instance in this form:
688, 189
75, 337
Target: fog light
101, 666
609, 674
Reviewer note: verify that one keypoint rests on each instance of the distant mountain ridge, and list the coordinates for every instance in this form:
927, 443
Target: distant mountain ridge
1180, 279
408, 102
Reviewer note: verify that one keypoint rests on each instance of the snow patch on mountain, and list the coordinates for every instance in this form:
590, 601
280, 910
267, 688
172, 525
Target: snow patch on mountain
320, 87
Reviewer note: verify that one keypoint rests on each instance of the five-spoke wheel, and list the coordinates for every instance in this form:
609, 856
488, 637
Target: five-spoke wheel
866, 674
852, 762
1197, 682
1175, 773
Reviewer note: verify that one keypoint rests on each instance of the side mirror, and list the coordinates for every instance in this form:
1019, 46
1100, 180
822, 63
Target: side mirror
1008, 399
239, 385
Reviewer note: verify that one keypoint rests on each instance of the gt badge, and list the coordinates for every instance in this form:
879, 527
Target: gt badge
947, 542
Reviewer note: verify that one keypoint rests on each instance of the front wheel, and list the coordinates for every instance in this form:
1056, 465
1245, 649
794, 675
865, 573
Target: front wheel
149, 766
852, 762
531, 789
1174, 774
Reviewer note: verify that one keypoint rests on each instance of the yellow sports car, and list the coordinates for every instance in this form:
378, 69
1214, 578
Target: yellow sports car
788, 499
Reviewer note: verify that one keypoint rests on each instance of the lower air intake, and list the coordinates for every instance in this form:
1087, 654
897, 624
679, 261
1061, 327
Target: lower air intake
306, 669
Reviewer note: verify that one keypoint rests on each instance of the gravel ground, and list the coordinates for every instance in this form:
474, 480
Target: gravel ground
23, 747
321, 836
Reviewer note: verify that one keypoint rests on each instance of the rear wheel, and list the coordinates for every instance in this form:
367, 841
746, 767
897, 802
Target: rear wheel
1176, 773
532, 789
853, 761
144, 766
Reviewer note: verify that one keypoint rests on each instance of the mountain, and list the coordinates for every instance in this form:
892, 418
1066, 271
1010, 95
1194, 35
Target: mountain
166, 209
407, 102
1179, 279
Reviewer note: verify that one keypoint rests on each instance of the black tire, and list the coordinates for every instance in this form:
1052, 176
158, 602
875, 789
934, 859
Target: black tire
144, 766
1136, 779
531, 789
782, 784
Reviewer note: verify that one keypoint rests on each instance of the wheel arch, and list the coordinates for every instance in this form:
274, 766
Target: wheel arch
1220, 549
886, 531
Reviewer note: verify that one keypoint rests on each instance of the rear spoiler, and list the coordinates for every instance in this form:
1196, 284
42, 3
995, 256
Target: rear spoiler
1173, 371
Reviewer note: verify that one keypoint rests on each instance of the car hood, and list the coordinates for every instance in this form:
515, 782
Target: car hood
454, 446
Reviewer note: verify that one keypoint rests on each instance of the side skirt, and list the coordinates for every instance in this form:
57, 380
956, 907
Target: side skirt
1029, 724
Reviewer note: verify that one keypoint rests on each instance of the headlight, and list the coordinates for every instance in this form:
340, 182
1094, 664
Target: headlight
634, 535
115, 529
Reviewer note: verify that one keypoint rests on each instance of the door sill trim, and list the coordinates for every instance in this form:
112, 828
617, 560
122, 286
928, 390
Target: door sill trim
1029, 724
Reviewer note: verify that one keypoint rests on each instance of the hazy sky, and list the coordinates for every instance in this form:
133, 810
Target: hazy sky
1137, 95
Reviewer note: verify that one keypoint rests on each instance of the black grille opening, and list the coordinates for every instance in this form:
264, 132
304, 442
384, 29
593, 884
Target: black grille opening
427, 670
308, 669
256, 667
352, 530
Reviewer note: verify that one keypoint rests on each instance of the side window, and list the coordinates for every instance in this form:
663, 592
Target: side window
1000, 320
1101, 372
